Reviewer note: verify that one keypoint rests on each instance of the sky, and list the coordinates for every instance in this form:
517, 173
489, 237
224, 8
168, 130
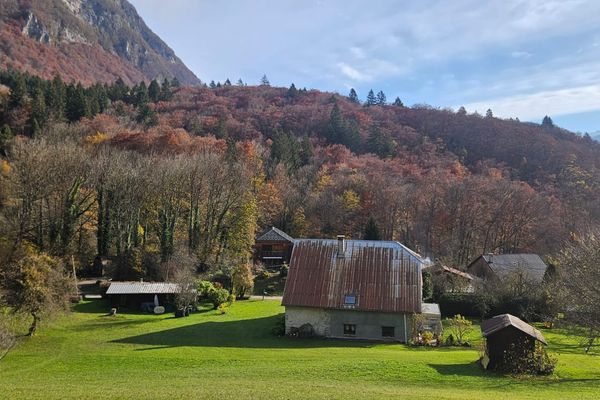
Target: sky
521, 59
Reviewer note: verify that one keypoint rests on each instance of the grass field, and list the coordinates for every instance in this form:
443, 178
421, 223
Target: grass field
87, 355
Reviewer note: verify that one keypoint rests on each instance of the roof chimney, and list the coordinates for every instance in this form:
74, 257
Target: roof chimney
341, 245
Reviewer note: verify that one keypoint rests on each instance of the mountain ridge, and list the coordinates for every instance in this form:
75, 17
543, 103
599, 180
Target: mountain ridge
86, 41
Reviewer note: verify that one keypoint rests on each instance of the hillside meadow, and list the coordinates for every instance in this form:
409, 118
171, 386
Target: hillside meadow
235, 356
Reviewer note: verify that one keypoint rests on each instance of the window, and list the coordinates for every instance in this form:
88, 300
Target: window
350, 299
387, 331
349, 329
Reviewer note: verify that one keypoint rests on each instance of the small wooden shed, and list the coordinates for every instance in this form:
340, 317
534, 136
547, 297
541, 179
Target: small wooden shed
503, 331
135, 294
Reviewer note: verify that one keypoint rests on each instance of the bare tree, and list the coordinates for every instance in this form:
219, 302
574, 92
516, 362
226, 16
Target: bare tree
579, 284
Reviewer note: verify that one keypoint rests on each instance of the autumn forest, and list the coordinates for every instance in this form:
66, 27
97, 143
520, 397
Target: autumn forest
142, 173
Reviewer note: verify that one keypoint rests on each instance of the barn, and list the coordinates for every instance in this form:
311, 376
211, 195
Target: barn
357, 289
504, 331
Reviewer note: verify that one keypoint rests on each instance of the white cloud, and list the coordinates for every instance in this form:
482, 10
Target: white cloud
536, 105
520, 54
353, 73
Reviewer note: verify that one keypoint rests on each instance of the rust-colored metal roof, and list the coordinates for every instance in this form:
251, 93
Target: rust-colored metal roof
382, 276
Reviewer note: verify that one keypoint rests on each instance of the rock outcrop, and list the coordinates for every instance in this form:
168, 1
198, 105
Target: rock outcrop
85, 40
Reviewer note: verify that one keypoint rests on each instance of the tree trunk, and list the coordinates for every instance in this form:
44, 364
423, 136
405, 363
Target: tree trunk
34, 324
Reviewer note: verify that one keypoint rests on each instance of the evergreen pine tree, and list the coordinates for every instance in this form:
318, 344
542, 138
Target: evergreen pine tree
35, 128
353, 97
212, 85
56, 98
175, 82
227, 82
18, 91
352, 139
218, 84
118, 91
398, 102
264, 81
381, 143
489, 113
371, 100
240, 82
337, 125
77, 106
306, 151
292, 92
371, 230
6, 136
165, 90
154, 91
141, 94
38, 111
547, 122
146, 116
221, 132
381, 99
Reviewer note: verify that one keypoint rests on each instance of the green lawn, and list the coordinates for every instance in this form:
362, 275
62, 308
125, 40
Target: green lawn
90, 356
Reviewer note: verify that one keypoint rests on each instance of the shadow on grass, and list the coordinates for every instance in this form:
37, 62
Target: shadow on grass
249, 333
107, 321
468, 369
97, 306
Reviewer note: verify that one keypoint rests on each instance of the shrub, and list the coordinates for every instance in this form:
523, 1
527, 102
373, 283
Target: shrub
466, 304
218, 297
222, 278
203, 288
459, 327
521, 359
222, 309
283, 271
262, 275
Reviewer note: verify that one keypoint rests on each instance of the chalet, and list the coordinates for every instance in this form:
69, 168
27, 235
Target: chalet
354, 289
503, 332
530, 266
273, 248
136, 295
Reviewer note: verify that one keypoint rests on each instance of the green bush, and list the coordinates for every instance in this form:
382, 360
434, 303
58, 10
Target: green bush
521, 359
283, 271
262, 275
466, 304
218, 297
204, 288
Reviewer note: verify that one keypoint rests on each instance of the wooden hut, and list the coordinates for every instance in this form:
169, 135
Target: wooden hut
505, 332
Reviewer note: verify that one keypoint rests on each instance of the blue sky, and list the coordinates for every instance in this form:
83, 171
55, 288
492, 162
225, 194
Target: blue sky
522, 59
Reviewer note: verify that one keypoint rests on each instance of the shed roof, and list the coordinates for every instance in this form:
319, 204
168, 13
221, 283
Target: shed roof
381, 276
458, 272
430, 308
502, 321
274, 235
142, 288
532, 264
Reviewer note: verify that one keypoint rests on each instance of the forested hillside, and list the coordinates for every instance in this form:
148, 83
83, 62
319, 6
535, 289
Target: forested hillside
141, 174
85, 40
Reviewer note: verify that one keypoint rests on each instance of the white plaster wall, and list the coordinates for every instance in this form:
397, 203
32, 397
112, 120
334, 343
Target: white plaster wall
295, 317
